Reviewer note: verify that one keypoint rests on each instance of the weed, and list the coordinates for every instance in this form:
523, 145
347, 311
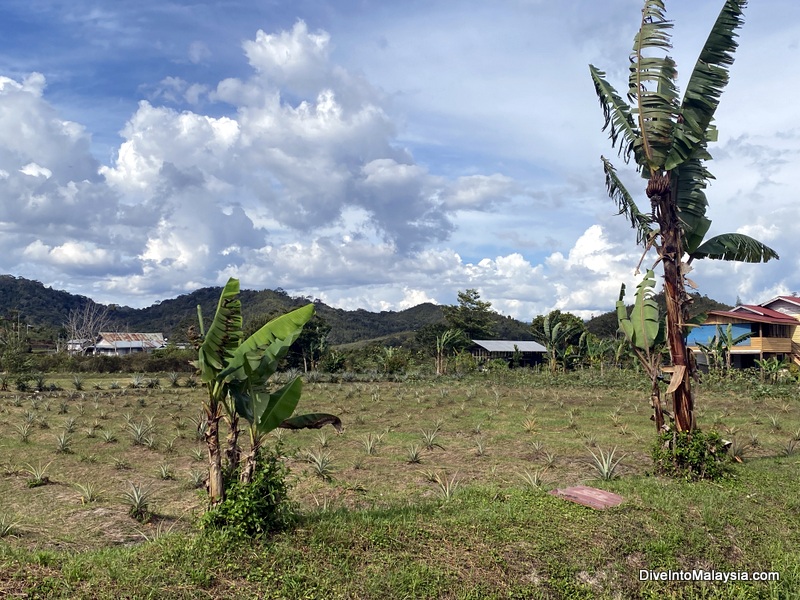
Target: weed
699, 455
120, 464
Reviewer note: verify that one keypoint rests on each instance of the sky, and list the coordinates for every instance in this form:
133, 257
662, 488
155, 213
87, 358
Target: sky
368, 153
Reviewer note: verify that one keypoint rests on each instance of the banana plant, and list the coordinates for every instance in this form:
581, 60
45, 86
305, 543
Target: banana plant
718, 348
236, 374
644, 328
555, 337
668, 137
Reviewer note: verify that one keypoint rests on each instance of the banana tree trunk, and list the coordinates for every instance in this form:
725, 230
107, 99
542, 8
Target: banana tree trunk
232, 450
216, 487
249, 462
677, 300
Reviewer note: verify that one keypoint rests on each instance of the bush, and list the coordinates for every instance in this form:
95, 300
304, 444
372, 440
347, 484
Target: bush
257, 508
693, 456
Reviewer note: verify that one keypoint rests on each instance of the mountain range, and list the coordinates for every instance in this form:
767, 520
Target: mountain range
45, 312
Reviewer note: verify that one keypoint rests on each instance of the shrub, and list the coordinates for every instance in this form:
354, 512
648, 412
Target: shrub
257, 508
693, 456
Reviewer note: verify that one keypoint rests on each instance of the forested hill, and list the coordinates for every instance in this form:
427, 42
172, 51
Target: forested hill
44, 308
47, 311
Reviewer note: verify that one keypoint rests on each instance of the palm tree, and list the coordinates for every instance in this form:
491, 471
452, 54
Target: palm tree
667, 137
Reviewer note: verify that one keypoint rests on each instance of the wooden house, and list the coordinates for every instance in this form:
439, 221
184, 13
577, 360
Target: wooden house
773, 326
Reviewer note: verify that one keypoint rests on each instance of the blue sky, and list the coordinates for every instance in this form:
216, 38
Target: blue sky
371, 154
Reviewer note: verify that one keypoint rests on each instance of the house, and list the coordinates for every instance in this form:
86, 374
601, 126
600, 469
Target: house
773, 326
529, 353
78, 346
127, 343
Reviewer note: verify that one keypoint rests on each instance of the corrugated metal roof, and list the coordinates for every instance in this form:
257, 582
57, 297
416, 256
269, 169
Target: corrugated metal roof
131, 340
508, 346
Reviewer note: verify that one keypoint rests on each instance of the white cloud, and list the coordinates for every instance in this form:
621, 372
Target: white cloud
35, 170
400, 158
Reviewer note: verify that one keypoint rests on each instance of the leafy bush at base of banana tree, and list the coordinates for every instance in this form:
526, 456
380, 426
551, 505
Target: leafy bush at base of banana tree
256, 508
691, 455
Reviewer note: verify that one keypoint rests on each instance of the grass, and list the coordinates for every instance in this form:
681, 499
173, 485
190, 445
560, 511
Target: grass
386, 529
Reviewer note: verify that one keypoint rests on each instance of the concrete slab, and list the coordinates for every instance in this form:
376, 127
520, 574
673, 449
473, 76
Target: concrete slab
589, 496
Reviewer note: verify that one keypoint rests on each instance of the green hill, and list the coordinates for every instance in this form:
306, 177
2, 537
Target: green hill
46, 311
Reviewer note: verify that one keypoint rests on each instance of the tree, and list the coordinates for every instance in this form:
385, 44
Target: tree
235, 372
472, 315
14, 345
85, 323
556, 335
668, 140
573, 323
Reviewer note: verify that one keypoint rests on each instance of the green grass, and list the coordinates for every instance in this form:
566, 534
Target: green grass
378, 526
